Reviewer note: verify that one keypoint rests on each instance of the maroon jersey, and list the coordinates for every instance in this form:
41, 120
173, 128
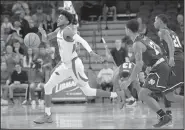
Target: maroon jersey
126, 67
152, 54
176, 42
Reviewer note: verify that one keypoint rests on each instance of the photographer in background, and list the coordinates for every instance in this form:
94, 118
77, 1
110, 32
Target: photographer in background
37, 82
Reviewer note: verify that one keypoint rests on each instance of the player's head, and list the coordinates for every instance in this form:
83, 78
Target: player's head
118, 43
161, 21
124, 75
65, 18
105, 64
132, 27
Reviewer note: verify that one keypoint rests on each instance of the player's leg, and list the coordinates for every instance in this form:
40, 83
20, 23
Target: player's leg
117, 88
156, 82
81, 79
57, 76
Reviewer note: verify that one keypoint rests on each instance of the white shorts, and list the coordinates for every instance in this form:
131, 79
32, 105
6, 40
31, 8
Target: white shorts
74, 69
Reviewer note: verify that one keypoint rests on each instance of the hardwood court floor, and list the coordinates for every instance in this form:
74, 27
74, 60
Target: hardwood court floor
95, 116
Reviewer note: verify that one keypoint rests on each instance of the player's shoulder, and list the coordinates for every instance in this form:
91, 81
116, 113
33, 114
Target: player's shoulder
68, 32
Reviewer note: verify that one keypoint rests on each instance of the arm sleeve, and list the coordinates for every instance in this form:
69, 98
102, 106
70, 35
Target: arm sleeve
79, 39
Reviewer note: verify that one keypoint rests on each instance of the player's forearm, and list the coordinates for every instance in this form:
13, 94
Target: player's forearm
136, 70
79, 39
171, 51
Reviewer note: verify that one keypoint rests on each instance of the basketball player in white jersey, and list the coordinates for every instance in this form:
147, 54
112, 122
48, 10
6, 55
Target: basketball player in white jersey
70, 65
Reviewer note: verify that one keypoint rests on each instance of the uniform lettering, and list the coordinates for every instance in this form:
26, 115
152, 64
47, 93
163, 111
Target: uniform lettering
153, 46
127, 65
176, 41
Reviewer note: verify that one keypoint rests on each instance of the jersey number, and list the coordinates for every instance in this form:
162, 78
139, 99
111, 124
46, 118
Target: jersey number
176, 41
127, 65
153, 46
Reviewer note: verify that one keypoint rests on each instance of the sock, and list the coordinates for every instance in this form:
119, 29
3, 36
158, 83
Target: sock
48, 110
161, 113
113, 95
101, 93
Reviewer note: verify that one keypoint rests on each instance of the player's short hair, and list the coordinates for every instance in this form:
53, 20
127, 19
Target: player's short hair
68, 15
133, 25
164, 18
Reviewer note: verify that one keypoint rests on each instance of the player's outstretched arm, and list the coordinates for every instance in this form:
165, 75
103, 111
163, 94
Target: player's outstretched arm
70, 33
46, 37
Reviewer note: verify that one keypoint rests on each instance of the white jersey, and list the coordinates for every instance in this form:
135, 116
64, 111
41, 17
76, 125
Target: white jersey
67, 50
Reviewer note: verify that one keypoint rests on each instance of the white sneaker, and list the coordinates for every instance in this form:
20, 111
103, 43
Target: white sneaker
4, 102
130, 99
33, 102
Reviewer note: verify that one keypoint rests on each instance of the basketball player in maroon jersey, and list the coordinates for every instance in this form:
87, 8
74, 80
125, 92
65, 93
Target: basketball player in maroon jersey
122, 73
174, 54
146, 52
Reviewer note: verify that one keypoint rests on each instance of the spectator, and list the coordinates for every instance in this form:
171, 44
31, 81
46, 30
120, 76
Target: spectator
19, 79
18, 49
17, 28
37, 83
49, 24
119, 53
33, 28
109, 8
10, 58
28, 58
6, 27
27, 15
13, 37
180, 20
105, 77
24, 23
39, 17
142, 26
5, 75
46, 59
2, 46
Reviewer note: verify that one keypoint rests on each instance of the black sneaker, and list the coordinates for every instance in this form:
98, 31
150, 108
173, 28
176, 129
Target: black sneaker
131, 103
170, 115
163, 121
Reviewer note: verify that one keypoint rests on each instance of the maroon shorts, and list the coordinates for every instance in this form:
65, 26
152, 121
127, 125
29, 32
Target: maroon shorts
157, 80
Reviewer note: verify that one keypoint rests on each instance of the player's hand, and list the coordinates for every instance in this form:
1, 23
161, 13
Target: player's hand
41, 30
125, 84
97, 57
171, 62
148, 69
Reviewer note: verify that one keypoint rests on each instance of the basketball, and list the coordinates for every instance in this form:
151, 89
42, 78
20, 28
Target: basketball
32, 40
